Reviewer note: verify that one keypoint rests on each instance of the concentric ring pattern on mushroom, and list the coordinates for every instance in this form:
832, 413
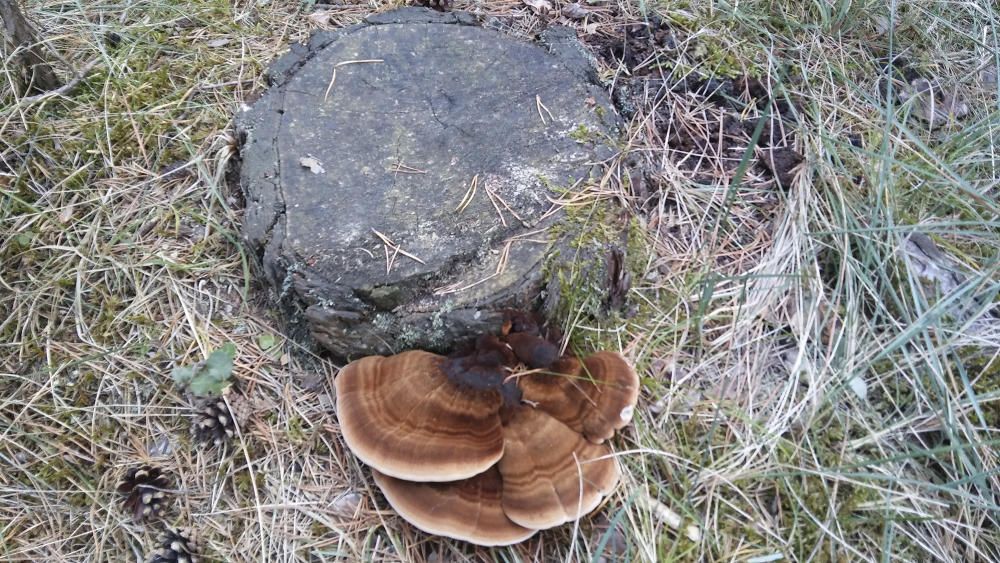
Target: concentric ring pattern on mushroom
493, 443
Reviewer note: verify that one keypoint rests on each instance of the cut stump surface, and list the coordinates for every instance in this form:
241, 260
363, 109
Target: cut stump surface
399, 175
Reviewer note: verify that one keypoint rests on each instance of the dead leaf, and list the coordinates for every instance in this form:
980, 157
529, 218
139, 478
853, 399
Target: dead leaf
66, 214
942, 274
663, 368
216, 43
935, 104
882, 25
782, 162
160, 447
539, 6
575, 11
859, 387
988, 76
313, 164
321, 17
346, 504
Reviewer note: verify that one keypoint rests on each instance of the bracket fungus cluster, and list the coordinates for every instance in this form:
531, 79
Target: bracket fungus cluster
493, 444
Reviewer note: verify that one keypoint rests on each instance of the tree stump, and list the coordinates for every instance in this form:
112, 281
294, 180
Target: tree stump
399, 175
26, 48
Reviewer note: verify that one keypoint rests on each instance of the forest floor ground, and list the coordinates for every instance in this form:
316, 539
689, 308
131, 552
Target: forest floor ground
813, 309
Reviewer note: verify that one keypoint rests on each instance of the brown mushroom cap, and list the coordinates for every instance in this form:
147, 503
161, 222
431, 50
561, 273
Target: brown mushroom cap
403, 416
542, 466
468, 510
594, 397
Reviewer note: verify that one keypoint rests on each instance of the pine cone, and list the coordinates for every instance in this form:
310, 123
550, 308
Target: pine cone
214, 423
176, 546
242, 408
145, 489
439, 5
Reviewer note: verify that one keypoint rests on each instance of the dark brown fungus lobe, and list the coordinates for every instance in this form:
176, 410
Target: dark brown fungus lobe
534, 351
522, 331
515, 321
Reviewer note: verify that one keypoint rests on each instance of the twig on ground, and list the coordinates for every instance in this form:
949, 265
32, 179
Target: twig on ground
65, 89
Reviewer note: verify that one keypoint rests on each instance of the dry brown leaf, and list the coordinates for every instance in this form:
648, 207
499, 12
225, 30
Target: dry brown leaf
347, 504
321, 17
613, 537
988, 76
575, 11
936, 104
66, 214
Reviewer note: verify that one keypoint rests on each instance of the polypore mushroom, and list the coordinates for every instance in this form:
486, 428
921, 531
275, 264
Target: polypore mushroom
468, 510
458, 453
406, 417
548, 475
551, 474
594, 397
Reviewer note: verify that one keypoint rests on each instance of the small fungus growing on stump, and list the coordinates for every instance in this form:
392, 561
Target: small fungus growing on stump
473, 448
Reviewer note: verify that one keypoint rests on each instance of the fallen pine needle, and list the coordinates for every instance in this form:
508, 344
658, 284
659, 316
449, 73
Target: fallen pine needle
396, 250
540, 106
469, 194
333, 76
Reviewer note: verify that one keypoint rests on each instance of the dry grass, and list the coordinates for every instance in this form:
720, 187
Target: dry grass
806, 394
